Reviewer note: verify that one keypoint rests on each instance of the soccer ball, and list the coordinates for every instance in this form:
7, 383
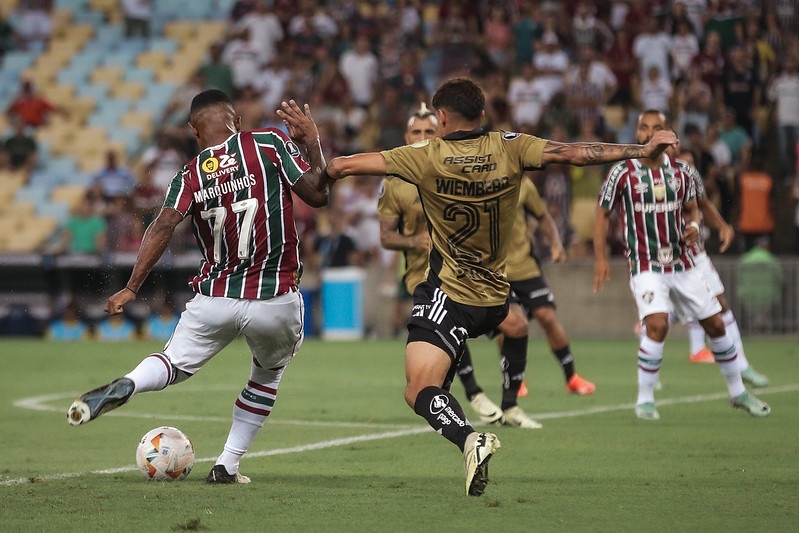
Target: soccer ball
165, 454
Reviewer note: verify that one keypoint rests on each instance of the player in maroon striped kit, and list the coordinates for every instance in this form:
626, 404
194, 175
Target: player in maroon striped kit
657, 201
237, 192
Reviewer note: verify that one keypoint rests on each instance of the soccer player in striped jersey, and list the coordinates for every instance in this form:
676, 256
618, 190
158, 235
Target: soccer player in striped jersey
238, 194
468, 181
712, 217
657, 201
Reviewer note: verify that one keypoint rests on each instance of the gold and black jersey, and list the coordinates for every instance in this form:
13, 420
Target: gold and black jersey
469, 185
521, 263
400, 201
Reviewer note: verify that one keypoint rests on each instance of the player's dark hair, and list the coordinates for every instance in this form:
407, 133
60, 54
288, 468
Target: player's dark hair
461, 96
208, 98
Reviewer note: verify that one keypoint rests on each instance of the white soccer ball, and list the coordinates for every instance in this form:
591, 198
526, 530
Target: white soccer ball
165, 454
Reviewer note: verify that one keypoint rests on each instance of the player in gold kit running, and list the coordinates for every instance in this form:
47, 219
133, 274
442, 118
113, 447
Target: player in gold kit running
468, 181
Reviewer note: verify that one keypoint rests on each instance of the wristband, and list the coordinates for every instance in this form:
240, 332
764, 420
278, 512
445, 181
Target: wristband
131, 290
693, 224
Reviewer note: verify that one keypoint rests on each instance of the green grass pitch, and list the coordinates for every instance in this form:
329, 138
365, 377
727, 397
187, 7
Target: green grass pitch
342, 451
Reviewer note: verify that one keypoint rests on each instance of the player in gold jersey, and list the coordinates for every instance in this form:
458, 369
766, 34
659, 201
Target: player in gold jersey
403, 227
468, 181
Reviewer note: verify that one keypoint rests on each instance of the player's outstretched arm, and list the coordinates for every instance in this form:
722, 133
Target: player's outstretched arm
366, 164
154, 243
601, 266
314, 186
590, 153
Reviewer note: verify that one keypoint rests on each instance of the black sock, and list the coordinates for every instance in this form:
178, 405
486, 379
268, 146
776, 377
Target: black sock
514, 361
564, 357
444, 414
466, 374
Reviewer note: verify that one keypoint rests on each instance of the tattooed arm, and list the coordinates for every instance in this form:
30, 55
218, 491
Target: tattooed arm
589, 153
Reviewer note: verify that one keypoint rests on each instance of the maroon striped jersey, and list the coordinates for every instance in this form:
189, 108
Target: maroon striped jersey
650, 201
238, 194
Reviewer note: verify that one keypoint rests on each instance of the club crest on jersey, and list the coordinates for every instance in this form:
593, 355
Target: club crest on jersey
509, 135
293, 149
648, 296
674, 182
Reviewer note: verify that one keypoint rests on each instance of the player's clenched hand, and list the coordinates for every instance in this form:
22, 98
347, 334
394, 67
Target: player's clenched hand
114, 304
661, 140
726, 235
601, 274
299, 122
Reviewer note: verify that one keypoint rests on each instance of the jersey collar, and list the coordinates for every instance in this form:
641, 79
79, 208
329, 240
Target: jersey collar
465, 134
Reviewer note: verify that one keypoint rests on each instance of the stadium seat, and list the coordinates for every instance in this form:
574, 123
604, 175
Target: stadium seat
106, 75
128, 90
154, 59
144, 75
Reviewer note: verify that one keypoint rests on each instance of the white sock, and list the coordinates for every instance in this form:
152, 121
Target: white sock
650, 356
252, 406
241, 435
153, 373
696, 336
731, 325
724, 352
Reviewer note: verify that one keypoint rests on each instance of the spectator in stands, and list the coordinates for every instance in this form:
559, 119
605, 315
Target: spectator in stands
551, 62
242, 54
217, 74
652, 47
175, 114
588, 30
527, 98
138, 16
784, 94
693, 102
336, 249
357, 200
526, 30
239, 9
710, 61
84, 230
251, 108
273, 81
624, 65
684, 47
755, 203
35, 24
116, 328
313, 18
21, 148
497, 35
359, 67
68, 325
146, 199
113, 180
8, 36
30, 107
409, 81
124, 230
655, 91
265, 30
741, 89
736, 138
163, 159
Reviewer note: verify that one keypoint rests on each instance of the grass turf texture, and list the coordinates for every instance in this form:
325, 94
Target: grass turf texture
343, 451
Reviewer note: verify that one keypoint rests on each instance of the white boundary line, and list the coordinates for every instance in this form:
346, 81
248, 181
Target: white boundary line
36, 403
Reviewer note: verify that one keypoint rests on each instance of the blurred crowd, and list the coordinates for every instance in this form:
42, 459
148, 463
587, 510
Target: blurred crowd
725, 71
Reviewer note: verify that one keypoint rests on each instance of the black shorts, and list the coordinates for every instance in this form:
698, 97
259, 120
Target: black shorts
447, 324
531, 294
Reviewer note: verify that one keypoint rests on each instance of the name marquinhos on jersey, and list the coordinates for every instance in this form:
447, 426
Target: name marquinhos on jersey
234, 185
471, 163
458, 187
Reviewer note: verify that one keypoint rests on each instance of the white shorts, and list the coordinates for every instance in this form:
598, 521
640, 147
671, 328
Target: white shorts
686, 293
702, 264
273, 330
